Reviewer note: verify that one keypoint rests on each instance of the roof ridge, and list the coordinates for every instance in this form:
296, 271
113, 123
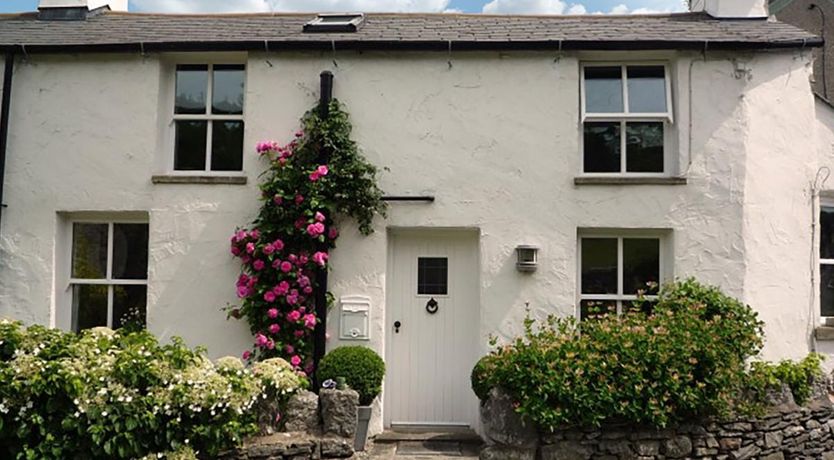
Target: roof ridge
408, 14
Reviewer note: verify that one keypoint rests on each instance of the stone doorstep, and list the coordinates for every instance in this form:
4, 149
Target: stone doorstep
463, 436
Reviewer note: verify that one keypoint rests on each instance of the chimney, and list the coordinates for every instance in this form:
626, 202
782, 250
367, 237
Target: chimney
76, 10
731, 9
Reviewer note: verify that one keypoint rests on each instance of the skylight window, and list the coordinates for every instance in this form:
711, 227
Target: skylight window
338, 22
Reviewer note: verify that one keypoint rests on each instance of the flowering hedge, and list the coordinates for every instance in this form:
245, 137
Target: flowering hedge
687, 359
314, 178
105, 394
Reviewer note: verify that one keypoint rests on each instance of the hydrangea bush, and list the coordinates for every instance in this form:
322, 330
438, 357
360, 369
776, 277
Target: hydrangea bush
314, 178
106, 394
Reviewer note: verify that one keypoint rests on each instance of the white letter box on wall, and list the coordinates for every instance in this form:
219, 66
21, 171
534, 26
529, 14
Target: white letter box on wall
354, 320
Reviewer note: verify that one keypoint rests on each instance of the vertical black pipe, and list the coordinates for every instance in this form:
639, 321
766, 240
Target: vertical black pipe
4, 121
320, 334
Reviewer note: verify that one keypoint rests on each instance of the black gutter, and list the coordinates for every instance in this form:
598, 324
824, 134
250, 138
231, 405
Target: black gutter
5, 105
320, 294
421, 45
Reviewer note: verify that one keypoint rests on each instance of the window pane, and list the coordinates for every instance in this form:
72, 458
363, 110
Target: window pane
827, 290
227, 94
646, 89
603, 90
192, 85
594, 308
644, 147
129, 306
642, 306
130, 251
190, 149
827, 232
89, 306
599, 265
432, 276
227, 146
602, 147
89, 251
641, 264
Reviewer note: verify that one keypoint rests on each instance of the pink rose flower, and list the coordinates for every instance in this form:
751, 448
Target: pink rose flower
303, 259
295, 361
310, 321
276, 263
320, 258
298, 334
246, 355
333, 233
268, 249
308, 290
286, 266
282, 288
258, 265
245, 259
274, 328
250, 248
319, 217
270, 345
315, 229
242, 292
278, 199
269, 296
255, 233
299, 199
299, 133
289, 349
272, 313
235, 251
278, 245
261, 340
293, 316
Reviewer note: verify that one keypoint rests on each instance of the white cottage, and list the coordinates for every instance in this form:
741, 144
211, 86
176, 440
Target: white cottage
624, 149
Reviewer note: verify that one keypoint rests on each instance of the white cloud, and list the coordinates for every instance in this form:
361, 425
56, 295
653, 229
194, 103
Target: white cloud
577, 8
525, 7
619, 9
226, 6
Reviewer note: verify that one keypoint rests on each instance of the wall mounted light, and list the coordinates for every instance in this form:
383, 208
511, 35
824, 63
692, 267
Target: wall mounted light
527, 258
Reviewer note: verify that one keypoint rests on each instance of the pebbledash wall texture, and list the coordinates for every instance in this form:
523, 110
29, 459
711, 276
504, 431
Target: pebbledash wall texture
494, 136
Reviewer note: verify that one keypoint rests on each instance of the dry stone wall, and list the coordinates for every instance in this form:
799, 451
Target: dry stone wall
316, 427
787, 431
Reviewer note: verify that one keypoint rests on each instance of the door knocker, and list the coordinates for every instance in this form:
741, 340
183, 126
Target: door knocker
432, 306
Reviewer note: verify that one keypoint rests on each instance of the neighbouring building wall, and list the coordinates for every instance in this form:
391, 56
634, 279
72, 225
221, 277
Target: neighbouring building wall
493, 136
799, 13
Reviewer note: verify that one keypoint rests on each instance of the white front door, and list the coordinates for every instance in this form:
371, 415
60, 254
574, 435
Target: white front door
433, 314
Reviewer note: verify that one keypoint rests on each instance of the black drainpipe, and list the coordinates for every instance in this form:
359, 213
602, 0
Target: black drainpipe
320, 335
4, 121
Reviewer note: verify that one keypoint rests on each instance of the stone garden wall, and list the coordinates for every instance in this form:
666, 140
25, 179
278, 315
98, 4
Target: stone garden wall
313, 427
787, 431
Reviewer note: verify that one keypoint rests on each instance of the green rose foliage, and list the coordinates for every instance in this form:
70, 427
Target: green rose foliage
361, 367
686, 359
105, 394
311, 182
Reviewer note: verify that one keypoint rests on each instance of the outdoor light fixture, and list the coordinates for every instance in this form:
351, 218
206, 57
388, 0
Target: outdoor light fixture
527, 258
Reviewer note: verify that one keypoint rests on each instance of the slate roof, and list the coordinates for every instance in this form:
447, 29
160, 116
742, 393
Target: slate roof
113, 31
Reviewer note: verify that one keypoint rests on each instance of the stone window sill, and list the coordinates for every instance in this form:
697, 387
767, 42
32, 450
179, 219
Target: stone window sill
824, 333
205, 180
625, 180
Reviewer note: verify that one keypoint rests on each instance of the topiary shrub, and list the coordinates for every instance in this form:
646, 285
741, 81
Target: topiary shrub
685, 360
361, 368
111, 395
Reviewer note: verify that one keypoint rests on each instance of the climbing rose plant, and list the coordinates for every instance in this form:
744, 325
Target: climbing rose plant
318, 176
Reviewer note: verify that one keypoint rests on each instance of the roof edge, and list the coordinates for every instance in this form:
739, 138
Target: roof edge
416, 45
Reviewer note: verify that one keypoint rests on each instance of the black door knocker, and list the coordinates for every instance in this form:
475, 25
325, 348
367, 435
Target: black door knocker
431, 306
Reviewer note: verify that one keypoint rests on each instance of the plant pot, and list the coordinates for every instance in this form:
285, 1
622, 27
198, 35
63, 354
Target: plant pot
363, 420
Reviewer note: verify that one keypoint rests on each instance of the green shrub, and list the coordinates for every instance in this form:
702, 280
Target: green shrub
481, 376
361, 367
799, 376
105, 394
685, 360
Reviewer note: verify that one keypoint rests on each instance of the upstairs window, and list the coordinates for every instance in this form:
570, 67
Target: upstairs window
626, 112
208, 117
615, 271
109, 274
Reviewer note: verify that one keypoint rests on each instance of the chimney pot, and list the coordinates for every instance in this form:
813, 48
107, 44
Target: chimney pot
731, 9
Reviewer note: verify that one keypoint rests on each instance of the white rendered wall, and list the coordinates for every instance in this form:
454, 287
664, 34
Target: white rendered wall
495, 138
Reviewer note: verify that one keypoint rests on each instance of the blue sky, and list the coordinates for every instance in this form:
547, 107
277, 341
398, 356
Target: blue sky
469, 6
